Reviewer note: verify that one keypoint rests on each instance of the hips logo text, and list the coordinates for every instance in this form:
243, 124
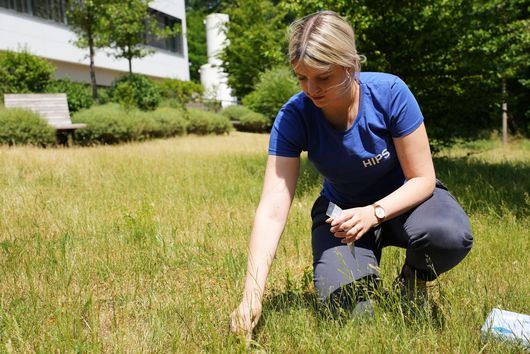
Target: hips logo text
376, 159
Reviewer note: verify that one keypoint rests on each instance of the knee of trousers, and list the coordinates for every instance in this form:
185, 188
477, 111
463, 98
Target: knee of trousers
440, 244
336, 269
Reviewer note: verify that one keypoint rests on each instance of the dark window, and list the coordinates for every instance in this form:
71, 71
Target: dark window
55, 10
48, 9
172, 43
18, 5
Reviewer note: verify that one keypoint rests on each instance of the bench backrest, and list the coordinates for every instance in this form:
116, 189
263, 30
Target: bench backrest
51, 106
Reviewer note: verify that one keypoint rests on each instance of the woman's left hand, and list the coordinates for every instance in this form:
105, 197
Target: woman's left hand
353, 223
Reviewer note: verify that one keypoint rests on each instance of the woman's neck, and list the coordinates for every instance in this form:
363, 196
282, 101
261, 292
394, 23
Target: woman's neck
342, 114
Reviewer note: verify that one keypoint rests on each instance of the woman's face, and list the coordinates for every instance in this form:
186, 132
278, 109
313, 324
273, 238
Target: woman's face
324, 87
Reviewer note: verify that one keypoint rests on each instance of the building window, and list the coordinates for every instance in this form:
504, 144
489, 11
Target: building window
173, 43
48, 9
55, 10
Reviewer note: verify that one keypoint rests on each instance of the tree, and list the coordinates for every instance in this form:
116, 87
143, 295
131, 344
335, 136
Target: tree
500, 43
196, 38
452, 54
208, 6
429, 44
274, 88
130, 25
256, 35
87, 19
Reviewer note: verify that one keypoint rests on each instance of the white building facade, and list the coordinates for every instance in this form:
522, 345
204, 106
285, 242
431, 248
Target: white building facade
40, 27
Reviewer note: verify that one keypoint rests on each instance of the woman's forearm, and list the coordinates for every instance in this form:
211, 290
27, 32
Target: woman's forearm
410, 194
266, 232
271, 215
415, 159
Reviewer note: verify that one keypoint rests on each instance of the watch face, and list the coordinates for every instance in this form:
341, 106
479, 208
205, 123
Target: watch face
379, 212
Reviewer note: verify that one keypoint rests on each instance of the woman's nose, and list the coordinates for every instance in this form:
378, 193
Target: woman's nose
312, 88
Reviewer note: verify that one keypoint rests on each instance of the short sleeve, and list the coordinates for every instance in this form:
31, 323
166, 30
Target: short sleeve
405, 113
288, 136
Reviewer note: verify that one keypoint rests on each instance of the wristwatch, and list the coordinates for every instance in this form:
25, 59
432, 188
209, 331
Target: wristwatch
379, 212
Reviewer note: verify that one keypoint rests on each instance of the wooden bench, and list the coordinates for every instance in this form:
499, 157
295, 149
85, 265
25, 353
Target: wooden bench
53, 107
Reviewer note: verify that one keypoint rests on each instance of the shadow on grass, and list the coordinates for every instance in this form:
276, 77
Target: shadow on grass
481, 186
287, 302
387, 304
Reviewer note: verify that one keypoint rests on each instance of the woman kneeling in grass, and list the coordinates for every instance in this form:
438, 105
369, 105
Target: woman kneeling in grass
364, 132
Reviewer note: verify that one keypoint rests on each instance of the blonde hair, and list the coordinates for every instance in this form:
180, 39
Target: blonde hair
323, 39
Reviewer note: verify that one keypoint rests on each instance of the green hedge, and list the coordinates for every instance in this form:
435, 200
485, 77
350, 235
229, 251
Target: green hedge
235, 112
111, 124
254, 122
246, 120
171, 121
202, 123
19, 126
106, 124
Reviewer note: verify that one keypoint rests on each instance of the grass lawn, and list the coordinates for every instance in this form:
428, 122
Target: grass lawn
142, 248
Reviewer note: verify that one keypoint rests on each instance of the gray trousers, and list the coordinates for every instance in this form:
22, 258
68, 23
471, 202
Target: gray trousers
436, 235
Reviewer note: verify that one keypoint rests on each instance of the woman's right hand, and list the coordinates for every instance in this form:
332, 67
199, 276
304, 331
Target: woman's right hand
279, 187
245, 317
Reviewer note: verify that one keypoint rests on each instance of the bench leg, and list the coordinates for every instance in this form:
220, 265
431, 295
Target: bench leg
65, 137
61, 137
73, 137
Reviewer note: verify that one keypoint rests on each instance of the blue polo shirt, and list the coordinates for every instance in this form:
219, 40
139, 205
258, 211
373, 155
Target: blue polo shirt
359, 165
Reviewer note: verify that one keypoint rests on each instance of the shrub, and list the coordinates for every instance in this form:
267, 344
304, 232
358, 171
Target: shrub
19, 126
274, 88
202, 123
23, 72
180, 92
149, 125
109, 124
79, 94
146, 93
124, 95
254, 122
235, 112
171, 121
103, 95
106, 124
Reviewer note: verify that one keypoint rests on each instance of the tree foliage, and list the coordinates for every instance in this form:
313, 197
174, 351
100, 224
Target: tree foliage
136, 89
274, 88
452, 54
23, 72
180, 93
499, 43
88, 20
130, 24
196, 37
256, 33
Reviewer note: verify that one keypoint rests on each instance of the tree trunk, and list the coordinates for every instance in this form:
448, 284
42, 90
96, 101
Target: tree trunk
504, 113
129, 56
92, 70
